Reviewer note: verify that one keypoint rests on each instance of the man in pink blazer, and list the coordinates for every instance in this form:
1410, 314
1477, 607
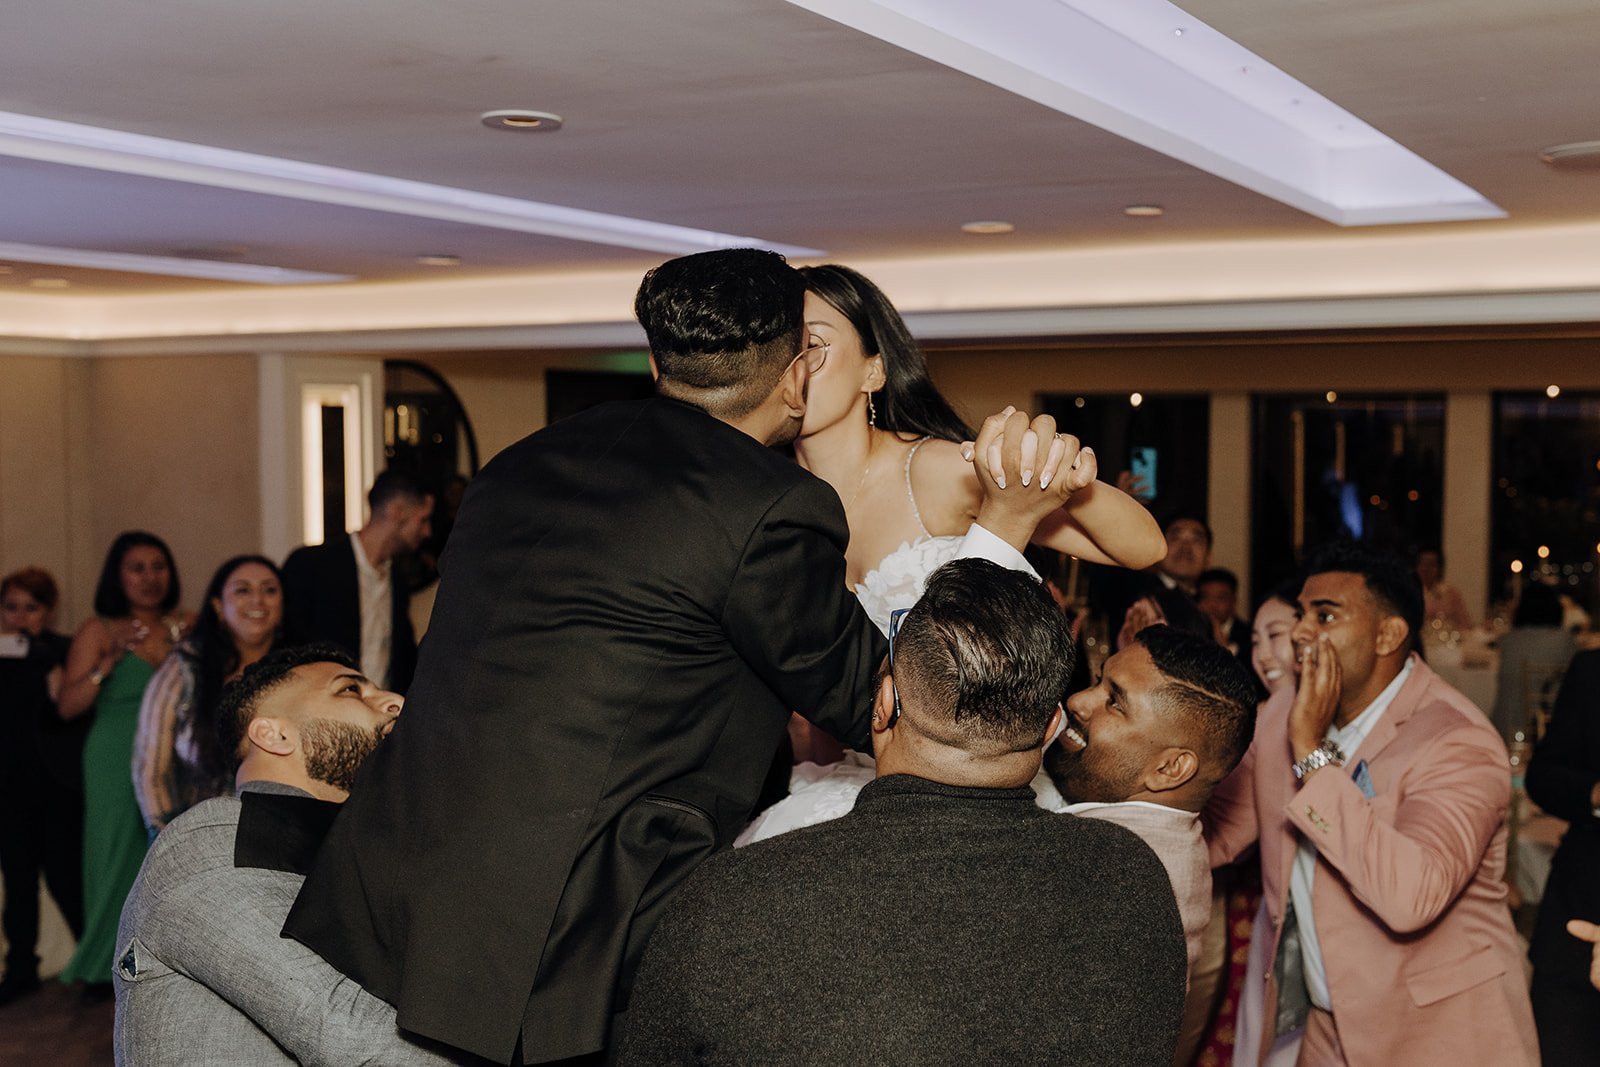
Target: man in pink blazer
1378, 795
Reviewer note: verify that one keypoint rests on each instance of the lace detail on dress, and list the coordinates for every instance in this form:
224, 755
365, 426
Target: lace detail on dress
897, 580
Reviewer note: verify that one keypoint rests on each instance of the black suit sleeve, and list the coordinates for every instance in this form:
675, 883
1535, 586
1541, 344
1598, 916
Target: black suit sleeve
1563, 770
790, 617
299, 592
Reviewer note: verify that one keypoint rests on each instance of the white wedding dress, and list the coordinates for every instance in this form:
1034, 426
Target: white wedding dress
818, 793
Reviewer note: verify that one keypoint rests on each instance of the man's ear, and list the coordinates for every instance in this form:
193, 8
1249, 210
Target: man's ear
1173, 769
791, 389
883, 705
270, 735
1393, 635
655, 371
1053, 730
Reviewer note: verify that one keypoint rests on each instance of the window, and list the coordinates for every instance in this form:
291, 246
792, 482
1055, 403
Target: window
1326, 466
1545, 510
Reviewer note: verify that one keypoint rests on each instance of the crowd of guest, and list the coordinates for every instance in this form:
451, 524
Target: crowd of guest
111, 735
1195, 839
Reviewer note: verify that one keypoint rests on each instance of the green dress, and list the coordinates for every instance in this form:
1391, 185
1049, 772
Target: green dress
114, 837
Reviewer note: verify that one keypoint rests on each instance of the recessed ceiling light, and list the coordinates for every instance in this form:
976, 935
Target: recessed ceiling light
49, 283
521, 119
1144, 211
439, 259
987, 226
1552, 391
1577, 155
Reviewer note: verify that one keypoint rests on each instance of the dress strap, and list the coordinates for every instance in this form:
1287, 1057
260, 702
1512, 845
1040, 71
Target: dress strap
909, 494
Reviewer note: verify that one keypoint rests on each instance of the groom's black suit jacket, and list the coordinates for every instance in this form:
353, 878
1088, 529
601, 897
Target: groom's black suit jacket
632, 602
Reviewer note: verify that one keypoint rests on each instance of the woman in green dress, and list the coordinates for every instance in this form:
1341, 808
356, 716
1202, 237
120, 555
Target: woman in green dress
111, 660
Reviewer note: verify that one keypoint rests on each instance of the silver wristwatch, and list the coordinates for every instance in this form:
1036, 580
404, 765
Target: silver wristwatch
1322, 756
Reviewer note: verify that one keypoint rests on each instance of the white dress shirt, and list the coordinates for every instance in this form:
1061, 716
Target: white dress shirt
1349, 740
377, 614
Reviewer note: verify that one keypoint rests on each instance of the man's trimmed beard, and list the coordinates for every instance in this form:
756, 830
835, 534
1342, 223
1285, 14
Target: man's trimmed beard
335, 750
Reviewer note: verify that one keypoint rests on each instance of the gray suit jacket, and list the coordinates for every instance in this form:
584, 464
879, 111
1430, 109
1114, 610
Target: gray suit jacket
202, 975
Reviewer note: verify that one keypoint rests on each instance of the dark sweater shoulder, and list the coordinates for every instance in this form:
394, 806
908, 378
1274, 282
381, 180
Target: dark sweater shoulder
870, 844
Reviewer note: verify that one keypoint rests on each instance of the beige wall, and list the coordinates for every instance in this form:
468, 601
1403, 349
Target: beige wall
43, 439
91, 447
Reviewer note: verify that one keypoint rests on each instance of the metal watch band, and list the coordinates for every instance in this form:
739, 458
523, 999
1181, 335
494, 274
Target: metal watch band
1323, 755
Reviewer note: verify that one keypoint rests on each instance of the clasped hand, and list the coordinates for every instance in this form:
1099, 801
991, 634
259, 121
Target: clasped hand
1023, 478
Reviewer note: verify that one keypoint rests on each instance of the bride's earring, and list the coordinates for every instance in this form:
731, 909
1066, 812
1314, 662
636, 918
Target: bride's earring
872, 413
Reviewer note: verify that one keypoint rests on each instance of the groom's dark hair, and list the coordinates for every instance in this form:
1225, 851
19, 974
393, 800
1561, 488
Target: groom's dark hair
982, 659
725, 322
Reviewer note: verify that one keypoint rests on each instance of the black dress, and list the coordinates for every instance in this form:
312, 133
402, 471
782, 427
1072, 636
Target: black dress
41, 801
1563, 771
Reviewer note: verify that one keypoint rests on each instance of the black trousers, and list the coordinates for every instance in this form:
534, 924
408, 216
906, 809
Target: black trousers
41, 832
1566, 1012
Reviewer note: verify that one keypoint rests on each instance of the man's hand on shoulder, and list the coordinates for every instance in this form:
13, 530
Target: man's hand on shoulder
1026, 471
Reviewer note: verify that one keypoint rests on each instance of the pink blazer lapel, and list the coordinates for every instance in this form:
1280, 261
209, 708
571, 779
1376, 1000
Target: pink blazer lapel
1405, 704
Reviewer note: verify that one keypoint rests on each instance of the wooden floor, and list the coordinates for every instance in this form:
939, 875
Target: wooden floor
55, 1027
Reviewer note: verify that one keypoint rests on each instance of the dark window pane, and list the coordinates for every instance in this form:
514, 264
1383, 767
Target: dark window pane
1367, 467
1546, 493
1166, 434
332, 472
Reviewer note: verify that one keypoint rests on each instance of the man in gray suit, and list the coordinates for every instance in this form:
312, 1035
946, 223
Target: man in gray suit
202, 975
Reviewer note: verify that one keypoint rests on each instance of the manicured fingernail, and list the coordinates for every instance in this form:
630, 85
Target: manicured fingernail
1000, 479
1044, 480
966, 453
1027, 475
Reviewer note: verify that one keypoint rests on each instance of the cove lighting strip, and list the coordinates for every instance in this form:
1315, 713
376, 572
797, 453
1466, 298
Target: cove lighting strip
172, 266
52, 141
1148, 71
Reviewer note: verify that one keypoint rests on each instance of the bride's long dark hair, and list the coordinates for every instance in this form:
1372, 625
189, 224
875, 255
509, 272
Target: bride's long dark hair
908, 403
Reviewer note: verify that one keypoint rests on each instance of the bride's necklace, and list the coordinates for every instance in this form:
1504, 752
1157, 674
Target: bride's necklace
866, 470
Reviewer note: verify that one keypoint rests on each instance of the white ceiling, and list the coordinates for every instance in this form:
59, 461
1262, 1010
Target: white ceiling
747, 117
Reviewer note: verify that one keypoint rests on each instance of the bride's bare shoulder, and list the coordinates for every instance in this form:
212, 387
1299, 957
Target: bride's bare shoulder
945, 486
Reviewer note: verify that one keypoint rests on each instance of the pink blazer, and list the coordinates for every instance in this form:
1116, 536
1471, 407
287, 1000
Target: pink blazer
1410, 899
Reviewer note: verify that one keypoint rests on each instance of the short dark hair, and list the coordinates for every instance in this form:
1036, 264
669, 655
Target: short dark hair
395, 484
1208, 684
728, 320
110, 598
1186, 516
241, 699
1538, 605
1287, 592
985, 655
1393, 584
1218, 574
36, 582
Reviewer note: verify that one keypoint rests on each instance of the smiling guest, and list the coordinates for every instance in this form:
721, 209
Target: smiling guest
1170, 717
176, 758
202, 975
1378, 795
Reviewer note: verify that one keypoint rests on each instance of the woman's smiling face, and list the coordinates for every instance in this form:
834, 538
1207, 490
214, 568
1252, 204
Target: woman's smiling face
1271, 651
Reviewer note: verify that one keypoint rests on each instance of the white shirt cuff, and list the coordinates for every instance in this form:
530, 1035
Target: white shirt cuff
981, 544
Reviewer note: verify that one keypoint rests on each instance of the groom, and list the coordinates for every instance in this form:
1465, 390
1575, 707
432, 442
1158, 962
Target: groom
633, 601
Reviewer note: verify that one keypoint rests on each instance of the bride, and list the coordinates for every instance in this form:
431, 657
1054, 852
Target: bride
878, 431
